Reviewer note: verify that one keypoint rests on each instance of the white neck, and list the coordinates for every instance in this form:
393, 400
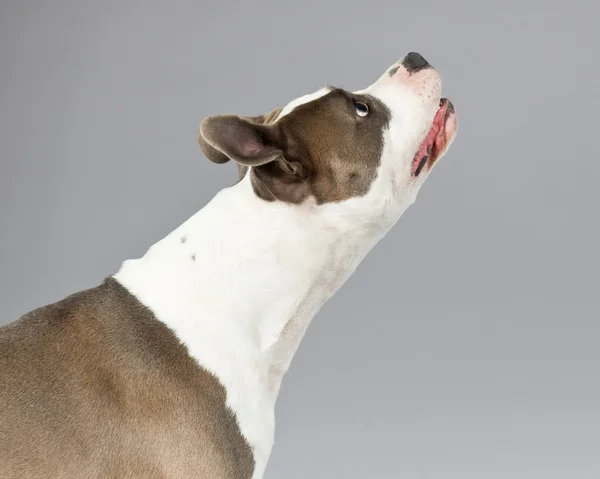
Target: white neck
239, 283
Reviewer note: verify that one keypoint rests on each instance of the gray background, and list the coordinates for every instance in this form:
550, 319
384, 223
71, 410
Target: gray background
466, 345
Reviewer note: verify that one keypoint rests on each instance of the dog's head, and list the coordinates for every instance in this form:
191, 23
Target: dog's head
365, 153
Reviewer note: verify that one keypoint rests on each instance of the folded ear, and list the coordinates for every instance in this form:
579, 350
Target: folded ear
241, 140
253, 144
218, 156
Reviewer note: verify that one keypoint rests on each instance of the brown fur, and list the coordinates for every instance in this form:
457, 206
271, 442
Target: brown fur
94, 386
320, 149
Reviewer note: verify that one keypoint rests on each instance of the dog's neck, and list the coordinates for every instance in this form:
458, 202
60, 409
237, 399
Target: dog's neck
240, 281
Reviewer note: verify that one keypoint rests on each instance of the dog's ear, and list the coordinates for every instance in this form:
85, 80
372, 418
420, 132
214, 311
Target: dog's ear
261, 147
214, 153
210, 151
238, 139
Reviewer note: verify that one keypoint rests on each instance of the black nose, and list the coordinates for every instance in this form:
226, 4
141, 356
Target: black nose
413, 62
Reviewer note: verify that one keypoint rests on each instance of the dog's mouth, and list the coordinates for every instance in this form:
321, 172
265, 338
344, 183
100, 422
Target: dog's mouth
438, 139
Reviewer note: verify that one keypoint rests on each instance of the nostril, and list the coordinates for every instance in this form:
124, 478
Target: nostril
414, 62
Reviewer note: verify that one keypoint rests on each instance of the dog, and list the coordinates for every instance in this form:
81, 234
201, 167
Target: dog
171, 367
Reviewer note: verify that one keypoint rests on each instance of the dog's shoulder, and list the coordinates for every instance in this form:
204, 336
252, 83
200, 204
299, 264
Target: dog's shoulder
98, 369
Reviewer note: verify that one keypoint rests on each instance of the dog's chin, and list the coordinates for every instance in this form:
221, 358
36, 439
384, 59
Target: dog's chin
438, 139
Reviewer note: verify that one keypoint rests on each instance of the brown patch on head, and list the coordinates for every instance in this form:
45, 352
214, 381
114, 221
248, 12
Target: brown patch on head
322, 148
341, 150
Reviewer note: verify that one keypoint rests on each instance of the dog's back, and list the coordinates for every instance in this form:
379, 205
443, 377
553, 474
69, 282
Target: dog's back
95, 386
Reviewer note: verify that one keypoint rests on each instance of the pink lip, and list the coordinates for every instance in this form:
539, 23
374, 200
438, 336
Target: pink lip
436, 140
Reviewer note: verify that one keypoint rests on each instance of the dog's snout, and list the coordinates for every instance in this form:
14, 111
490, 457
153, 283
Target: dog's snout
416, 75
414, 62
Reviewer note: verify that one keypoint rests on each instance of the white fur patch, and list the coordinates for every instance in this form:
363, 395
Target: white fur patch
302, 100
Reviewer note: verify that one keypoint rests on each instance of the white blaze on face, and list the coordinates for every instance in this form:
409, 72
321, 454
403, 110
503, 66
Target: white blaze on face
302, 100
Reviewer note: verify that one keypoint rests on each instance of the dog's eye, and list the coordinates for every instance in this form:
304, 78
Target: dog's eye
362, 109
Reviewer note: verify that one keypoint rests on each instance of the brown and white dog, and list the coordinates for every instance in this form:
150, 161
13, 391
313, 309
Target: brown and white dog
171, 367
